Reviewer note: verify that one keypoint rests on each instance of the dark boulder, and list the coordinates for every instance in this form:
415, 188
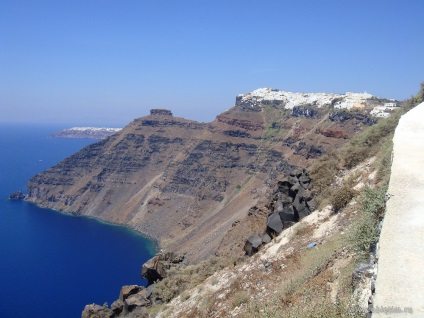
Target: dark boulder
266, 238
290, 202
284, 185
18, 195
255, 240
160, 112
287, 215
252, 244
274, 223
285, 198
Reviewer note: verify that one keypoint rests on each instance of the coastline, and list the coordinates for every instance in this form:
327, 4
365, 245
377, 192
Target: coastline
154, 247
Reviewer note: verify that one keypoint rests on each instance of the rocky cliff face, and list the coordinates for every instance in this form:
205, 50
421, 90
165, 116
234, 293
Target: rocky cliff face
186, 183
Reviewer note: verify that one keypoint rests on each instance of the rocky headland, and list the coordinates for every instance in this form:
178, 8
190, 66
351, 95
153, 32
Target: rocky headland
85, 132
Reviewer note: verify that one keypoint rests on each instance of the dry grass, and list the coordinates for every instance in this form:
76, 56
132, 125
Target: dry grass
306, 291
306, 282
240, 297
341, 197
303, 230
372, 141
181, 278
372, 208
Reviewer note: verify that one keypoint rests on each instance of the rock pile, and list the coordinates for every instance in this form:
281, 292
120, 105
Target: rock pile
133, 299
18, 195
290, 202
161, 112
156, 268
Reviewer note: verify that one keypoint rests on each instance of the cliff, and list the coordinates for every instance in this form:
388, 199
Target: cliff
186, 184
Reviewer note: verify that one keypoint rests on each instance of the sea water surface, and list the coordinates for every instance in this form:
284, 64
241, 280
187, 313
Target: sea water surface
52, 264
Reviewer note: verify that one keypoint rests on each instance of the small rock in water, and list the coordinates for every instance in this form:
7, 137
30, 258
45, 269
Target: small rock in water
18, 195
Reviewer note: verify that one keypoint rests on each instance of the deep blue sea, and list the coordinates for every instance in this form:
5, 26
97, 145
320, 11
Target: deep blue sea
52, 264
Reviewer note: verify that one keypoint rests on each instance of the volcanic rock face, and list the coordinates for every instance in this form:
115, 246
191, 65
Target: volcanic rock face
290, 202
186, 183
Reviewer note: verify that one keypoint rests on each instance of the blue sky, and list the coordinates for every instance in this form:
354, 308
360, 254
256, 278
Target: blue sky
104, 62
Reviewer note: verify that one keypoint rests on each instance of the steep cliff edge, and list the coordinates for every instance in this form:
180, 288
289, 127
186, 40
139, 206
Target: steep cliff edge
186, 183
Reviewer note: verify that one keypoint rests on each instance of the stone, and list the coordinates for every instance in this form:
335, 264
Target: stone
296, 173
288, 214
361, 271
149, 290
128, 290
284, 185
304, 179
156, 268
18, 195
274, 223
137, 300
297, 189
255, 240
311, 205
303, 212
266, 238
248, 248
278, 206
290, 201
117, 307
285, 198
96, 311
298, 203
307, 195
161, 112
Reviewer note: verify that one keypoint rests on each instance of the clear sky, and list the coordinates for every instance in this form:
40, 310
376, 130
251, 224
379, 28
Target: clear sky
102, 62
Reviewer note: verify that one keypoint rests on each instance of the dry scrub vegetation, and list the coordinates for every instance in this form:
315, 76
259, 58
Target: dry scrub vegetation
373, 141
285, 278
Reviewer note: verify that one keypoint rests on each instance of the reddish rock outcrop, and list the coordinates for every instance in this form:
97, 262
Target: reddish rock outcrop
245, 124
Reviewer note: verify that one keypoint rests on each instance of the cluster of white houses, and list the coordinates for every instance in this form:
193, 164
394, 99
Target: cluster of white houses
385, 110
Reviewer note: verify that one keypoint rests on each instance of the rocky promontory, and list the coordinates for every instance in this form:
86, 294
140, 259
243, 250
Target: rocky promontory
18, 195
85, 132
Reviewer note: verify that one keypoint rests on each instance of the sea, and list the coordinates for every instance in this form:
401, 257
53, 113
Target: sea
53, 264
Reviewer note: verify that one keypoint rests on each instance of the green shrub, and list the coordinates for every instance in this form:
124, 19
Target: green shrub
372, 208
369, 142
342, 197
383, 162
373, 201
322, 172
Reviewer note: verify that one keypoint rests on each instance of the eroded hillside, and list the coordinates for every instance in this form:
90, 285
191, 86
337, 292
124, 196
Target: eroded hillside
186, 183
